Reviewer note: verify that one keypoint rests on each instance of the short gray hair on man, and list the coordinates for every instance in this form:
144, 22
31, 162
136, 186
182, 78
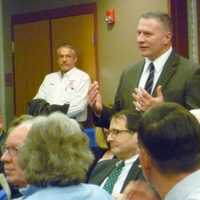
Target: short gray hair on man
56, 152
68, 46
164, 18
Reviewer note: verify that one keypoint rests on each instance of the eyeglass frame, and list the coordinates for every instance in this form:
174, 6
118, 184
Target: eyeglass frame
116, 132
12, 151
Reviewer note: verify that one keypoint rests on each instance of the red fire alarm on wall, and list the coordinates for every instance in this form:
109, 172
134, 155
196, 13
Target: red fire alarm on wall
110, 16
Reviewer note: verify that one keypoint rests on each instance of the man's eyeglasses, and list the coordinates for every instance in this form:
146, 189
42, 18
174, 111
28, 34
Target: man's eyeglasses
12, 151
116, 132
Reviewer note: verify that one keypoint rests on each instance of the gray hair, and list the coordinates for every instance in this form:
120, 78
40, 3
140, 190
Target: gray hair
68, 46
55, 152
22, 119
164, 18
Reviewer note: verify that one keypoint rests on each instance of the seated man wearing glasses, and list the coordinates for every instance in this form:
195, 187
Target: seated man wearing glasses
17, 133
114, 174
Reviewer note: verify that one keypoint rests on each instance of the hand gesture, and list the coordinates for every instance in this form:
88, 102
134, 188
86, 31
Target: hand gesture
143, 100
140, 190
95, 99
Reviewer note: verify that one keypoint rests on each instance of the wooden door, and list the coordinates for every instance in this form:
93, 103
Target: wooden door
31, 61
78, 31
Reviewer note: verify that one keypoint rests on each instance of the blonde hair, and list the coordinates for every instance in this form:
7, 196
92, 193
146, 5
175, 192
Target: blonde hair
55, 152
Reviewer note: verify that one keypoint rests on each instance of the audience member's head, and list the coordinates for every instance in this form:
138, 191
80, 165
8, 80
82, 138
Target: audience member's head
122, 136
56, 152
17, 134
169, 141
67, 57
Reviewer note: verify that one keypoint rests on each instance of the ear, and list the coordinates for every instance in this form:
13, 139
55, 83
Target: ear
136, 141
136, 135
75, 59
145, 161
168, 37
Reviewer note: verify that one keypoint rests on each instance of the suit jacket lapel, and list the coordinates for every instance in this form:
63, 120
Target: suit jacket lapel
138, 73
134, 173
168, 71
105, 167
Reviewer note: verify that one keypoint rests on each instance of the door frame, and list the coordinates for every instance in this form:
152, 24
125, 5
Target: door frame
178, 12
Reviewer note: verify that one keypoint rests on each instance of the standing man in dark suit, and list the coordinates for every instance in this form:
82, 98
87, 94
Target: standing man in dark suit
161, 76
122, 138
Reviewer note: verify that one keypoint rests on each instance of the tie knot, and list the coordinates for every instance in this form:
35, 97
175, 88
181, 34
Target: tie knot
151, 67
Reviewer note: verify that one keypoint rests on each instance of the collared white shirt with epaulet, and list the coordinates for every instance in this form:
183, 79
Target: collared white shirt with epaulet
70, 88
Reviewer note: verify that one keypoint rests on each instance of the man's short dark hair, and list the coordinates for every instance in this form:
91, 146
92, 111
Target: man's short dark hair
132, 119
171, 136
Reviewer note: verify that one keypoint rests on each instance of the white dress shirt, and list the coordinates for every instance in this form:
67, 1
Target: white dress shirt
70, 88
158, 64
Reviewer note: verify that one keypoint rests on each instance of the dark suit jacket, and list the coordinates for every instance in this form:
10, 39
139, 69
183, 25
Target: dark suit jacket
104, 168
180, 80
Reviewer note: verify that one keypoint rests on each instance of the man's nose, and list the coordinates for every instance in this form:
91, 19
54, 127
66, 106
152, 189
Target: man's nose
5, 156
64, 58
109, 137
140, 37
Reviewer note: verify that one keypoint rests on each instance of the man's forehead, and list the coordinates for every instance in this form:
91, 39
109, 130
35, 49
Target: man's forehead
118, 122
18, 134
65, 50
149, 23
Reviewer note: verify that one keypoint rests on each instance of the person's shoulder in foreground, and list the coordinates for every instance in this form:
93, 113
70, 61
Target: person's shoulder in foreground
79, 192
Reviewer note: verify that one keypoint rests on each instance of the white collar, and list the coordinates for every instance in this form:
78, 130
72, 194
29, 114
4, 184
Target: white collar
68, 73
131, 159
158, 62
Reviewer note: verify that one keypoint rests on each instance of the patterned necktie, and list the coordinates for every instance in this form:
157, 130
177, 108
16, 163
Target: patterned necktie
110, 182
149, 83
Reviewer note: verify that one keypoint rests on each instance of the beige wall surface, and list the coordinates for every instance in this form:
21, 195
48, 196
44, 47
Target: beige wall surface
117, 48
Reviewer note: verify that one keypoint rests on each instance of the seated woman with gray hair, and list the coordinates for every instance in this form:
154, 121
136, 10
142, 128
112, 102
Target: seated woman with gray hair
55, 159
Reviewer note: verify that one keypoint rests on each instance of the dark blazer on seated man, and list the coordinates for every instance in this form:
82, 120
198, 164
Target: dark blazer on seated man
105, 167
113, 175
